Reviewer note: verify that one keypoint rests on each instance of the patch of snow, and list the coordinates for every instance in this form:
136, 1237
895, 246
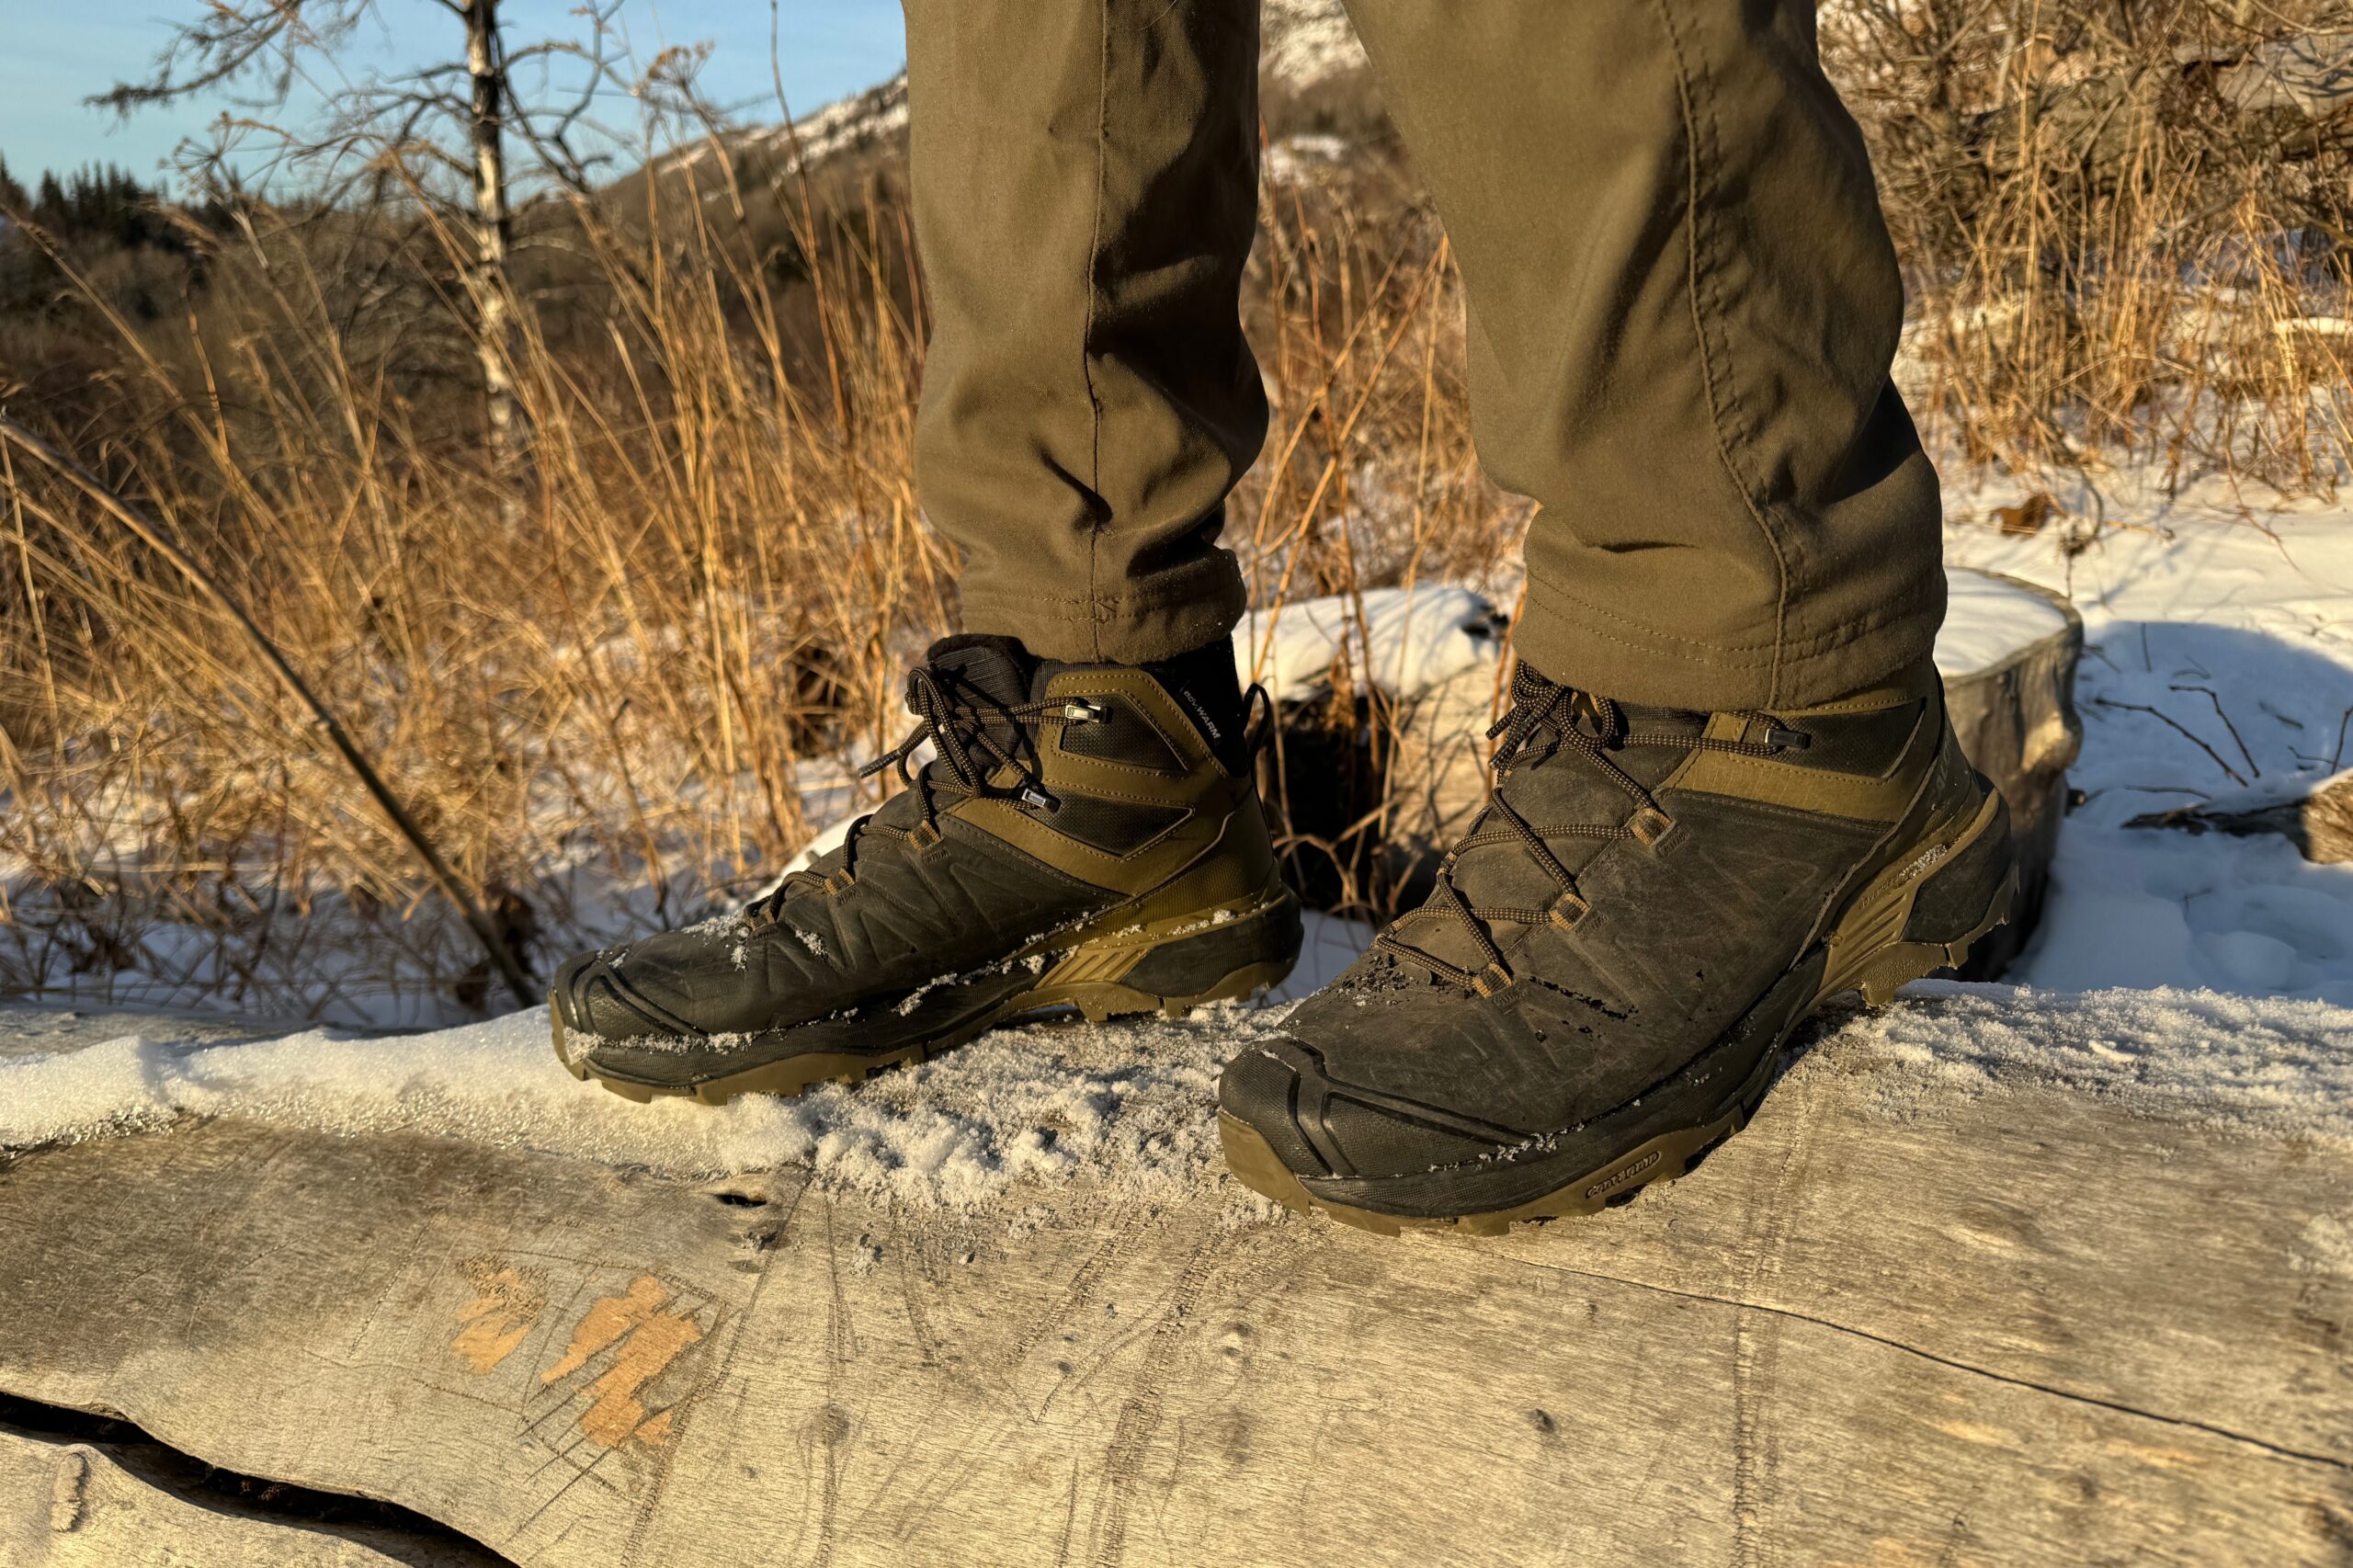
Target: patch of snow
1303, 155
1420, 637
1128, 1102
1308, 41
1987, 620
2235, 1062
2218, 667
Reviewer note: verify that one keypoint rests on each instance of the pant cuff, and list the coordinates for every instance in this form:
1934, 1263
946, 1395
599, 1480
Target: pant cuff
1569, 643
1171, 613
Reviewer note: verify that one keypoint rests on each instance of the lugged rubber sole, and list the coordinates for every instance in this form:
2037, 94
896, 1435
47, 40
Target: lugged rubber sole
1879, 943
1171, 966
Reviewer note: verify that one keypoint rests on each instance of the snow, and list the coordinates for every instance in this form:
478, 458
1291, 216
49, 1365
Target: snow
2176, 973
1420, 637
2231, 617
1127, 1102
1986, 621
1308, 41
2233, 1063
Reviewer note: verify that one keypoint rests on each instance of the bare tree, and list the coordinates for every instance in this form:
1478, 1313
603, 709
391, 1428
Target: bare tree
488, 283
446, 133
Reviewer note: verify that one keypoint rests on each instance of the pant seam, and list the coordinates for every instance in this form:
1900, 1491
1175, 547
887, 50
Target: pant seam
1723, 394
1086, 336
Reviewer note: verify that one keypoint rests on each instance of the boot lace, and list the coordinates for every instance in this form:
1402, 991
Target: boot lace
1539, 708
956, 719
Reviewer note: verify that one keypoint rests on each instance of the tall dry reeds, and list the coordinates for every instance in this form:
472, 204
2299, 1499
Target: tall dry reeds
609, 682
616, 682
2127, 229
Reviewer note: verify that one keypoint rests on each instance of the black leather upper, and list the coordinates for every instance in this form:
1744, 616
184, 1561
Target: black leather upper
1396, 1069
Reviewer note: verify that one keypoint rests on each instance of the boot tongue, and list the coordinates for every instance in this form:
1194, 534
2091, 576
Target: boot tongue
996, 667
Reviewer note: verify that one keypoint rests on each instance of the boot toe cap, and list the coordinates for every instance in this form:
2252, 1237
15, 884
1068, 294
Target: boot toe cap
1325, 1130
1260, 1090
591, 998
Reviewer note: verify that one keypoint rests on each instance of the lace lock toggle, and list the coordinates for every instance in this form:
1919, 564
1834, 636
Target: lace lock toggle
1080, 711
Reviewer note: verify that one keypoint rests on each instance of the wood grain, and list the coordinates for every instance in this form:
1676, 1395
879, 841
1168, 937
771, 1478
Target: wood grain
2012, 1326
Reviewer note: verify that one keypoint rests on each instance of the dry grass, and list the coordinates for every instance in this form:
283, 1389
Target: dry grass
621, 669
2122, 244
608, 684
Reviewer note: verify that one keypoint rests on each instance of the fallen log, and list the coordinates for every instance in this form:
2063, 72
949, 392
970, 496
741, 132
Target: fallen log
1950, 1299
2318, 821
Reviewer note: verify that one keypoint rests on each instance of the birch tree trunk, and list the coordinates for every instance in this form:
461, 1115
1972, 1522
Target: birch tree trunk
488, 283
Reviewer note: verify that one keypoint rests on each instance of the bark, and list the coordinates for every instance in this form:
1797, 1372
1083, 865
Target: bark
2319, 825
488, 283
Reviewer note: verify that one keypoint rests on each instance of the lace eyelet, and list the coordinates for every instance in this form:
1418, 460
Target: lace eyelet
1490, 980
1650, 825
1569, 909
838, 883
923, 836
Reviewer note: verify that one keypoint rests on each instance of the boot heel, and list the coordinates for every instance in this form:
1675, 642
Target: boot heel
1925, 914
1227, 954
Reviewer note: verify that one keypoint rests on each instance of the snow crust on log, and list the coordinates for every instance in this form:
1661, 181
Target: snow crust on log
1987, 621
1127, 1104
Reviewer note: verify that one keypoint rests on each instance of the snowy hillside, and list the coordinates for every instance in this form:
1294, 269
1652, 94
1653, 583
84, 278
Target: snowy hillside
1304, 43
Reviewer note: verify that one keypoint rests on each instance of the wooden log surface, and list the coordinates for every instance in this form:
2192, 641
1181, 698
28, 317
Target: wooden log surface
1905, 1318
2317, 820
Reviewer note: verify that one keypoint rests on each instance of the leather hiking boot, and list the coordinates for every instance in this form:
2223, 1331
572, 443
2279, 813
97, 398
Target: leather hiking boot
1087, 834
1599, 987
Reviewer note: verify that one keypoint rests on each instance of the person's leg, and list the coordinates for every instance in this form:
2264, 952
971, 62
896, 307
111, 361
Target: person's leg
1089, 833
1085, 189
1683, 305
1727, 789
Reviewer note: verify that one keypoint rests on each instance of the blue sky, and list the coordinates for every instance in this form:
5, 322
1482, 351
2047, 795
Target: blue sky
58, 54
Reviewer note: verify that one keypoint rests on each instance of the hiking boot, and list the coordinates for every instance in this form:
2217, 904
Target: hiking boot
1599, 987
1087, 834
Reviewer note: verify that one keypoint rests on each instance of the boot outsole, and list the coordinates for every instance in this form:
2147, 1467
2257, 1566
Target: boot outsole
1092, 977
1872, 951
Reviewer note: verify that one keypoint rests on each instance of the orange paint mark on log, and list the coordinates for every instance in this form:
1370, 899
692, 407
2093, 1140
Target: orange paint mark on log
644, 1339
504, 1311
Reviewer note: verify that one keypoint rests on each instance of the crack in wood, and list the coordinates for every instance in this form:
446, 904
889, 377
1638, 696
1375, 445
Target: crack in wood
188, 1478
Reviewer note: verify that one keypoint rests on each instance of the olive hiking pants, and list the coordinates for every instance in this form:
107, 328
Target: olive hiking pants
1683, 306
